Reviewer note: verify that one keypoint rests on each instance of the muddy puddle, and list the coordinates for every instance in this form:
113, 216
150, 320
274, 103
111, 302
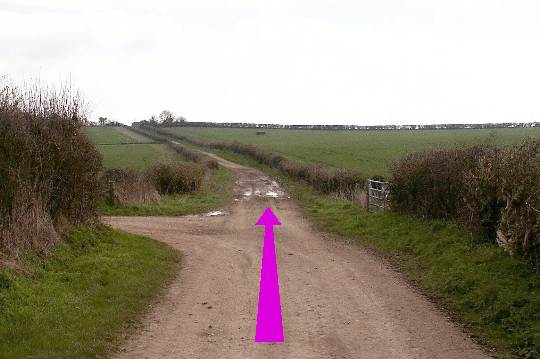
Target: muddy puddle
249, 186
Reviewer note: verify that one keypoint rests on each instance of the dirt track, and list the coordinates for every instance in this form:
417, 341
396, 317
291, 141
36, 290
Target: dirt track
338, 300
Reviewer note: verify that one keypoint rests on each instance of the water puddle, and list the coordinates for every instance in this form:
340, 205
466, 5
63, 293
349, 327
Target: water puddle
258, 187
215, 213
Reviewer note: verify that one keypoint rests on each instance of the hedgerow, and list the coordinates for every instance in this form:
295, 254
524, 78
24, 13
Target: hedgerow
492, 190
48, 168
125, 185
176, 177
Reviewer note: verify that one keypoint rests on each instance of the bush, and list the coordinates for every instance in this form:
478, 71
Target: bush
429, 184
481, 207
519, 228
48, 168
122, 186
176, 177
493, 191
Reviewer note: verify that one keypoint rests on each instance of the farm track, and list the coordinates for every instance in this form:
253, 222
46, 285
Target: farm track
338, 300
137, 137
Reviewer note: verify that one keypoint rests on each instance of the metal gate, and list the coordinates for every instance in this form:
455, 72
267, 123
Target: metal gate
378, 195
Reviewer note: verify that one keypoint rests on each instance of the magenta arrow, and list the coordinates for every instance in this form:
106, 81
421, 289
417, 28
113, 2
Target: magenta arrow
269, 322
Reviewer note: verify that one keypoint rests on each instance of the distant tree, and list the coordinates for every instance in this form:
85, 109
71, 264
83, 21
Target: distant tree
102, 121
153, 121
114, 124
166, 118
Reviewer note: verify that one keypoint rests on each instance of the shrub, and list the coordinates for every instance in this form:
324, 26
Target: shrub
48, 168
429, 184
482, 204
176, 177
493, 191
519, 228
122, 186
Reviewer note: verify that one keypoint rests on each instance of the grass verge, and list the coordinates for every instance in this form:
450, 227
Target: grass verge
216, 193
75, 303
496, 296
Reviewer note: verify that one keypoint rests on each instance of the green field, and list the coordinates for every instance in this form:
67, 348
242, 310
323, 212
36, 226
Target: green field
138, 156
369, 152
107, 135
84, 297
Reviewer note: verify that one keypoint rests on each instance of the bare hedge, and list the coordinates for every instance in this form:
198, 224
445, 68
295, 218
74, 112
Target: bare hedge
127, 186
48, 168
430, 184
176, 177
493, 191
124, 186
194, 156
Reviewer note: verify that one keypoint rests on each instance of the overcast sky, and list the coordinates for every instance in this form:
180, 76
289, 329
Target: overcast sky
284, 61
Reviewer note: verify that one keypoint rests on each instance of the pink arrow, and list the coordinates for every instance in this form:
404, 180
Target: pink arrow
269, 322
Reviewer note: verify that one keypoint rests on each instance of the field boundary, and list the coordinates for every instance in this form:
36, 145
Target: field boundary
448, 126
128, 143
378, 195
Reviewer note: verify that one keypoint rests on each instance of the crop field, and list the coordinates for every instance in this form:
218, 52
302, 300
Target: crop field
369, 152
138, 157
111, 143
107, 135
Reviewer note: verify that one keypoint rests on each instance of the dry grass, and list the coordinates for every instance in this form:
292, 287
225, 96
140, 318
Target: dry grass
127, 186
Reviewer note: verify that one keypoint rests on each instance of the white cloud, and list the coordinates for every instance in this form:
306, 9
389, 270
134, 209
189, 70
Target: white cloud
293, 61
